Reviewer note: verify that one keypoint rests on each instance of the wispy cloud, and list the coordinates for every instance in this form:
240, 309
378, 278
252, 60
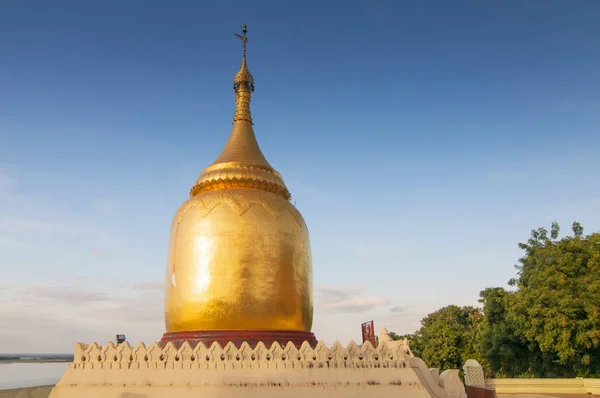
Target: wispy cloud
15, 228
347, 299
147, 310
358, 304
52, 318
339, 312
23, 212
10, 243
151, 286
15, 225
68, 294
7, 183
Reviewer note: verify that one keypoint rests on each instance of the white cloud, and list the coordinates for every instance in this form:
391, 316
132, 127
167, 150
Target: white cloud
14, 225
347, 299
69, 294
10, 243
156, 285
52, 318
358, 304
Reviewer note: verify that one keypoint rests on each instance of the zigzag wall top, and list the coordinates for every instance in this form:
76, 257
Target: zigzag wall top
93, 356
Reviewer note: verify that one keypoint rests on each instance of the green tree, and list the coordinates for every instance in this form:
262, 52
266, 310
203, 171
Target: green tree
409, 337
447, 337
506, 351
549, 326
556, 306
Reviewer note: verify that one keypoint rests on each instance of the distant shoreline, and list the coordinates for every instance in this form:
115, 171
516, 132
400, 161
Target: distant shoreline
2, 361
32, 358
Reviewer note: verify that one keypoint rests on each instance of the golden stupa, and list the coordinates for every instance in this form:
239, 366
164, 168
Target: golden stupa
239, 262
238, 304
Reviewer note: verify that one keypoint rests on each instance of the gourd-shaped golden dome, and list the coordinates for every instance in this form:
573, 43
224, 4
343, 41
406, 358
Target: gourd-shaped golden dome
239, 253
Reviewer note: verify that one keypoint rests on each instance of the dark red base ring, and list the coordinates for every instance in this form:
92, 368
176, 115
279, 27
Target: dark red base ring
237, 337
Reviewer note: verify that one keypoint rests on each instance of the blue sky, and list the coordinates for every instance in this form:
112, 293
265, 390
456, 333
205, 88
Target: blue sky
421, 140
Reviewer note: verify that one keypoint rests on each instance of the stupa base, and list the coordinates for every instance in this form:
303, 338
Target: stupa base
215, 371
237, 337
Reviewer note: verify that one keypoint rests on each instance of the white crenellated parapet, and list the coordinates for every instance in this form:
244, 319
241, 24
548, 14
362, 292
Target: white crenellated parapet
92, 356
210, 371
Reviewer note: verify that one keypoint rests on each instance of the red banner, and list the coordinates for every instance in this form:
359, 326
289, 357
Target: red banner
368, 333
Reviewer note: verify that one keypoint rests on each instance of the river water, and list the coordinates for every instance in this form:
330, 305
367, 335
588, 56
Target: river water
15, 375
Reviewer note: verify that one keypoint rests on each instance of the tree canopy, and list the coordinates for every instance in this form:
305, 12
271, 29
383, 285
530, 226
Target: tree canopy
447, 337
547, 325
557, 302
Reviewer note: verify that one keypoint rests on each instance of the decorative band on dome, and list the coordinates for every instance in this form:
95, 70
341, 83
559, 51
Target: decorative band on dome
240, 175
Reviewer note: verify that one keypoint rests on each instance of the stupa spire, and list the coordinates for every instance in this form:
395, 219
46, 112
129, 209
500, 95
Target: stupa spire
243, 85
241, 163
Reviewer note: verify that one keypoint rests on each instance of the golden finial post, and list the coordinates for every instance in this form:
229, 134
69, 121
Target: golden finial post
243, 38
243, 85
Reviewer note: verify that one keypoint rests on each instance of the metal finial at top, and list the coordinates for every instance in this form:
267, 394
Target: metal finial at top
243, 38
243, 85
243, 75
